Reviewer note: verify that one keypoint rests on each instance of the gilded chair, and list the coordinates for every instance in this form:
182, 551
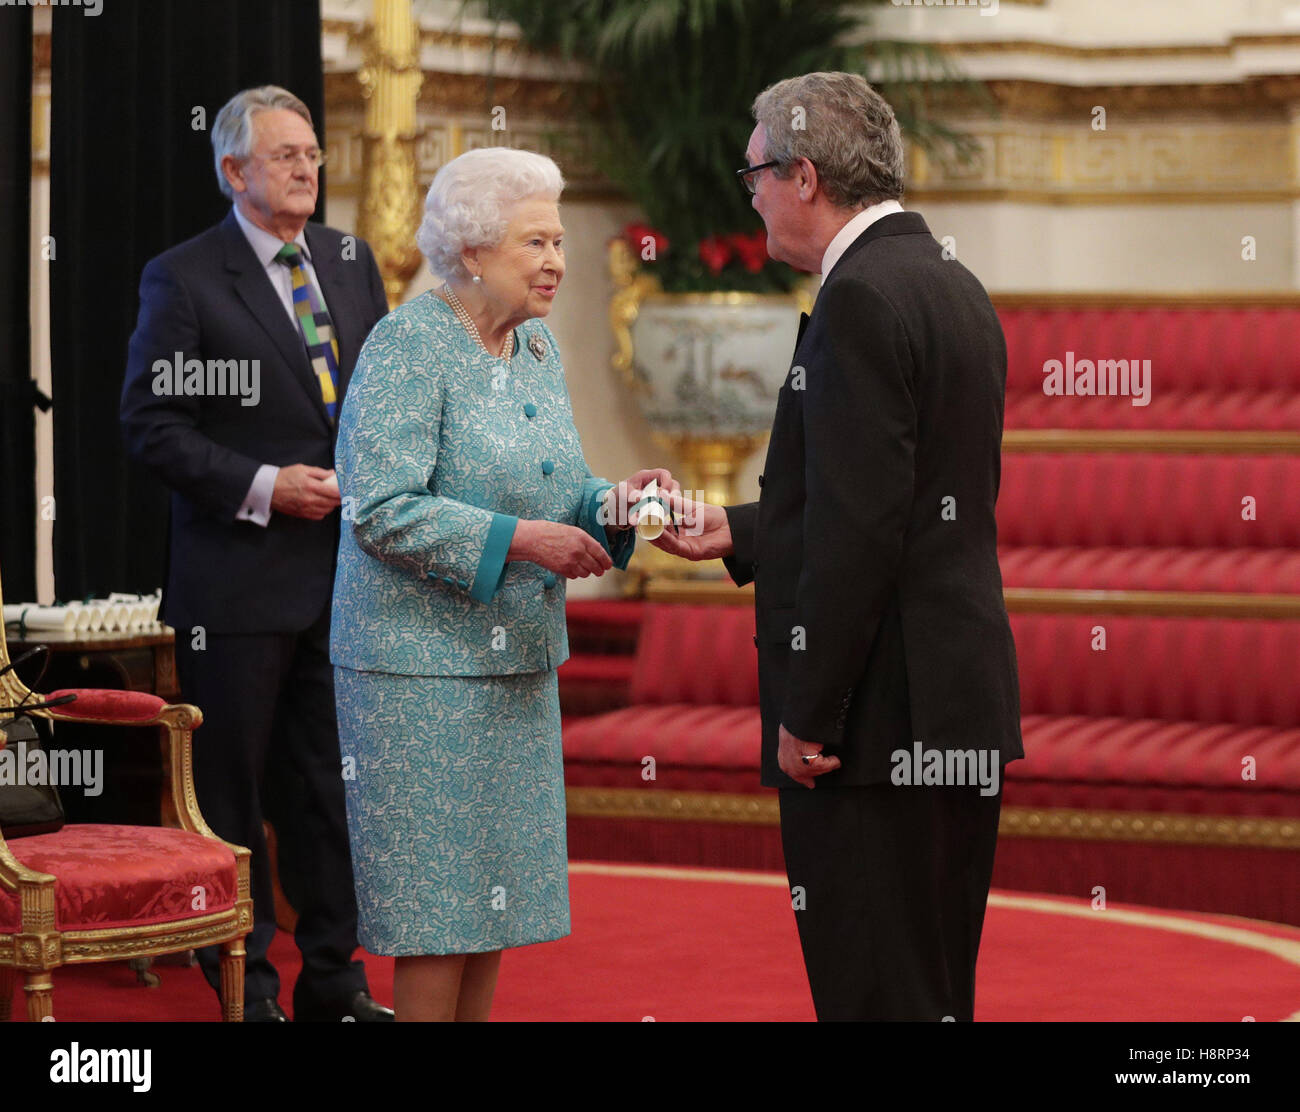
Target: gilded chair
96, 892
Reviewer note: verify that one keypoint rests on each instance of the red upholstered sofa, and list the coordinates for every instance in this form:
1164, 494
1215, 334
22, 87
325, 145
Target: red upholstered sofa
1133, 778
1232, 365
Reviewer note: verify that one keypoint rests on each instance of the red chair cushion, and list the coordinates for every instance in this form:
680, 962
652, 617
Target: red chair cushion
703, 655
695, 748
1217, 349
1236, 410
1171, 754
615, 613
596, 668
117, 876
1243, 570
135, 706
1071, 761
1208, 670
1147, 499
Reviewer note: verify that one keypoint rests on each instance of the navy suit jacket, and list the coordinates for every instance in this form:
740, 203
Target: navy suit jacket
873, 546
210, 299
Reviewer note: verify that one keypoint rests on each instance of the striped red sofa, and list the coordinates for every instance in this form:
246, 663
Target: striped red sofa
1164, 767
1232, 364
1150, 521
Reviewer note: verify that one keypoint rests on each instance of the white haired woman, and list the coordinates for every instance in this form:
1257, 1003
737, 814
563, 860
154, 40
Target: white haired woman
466, 504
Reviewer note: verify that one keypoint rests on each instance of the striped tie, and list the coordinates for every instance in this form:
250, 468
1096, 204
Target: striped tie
316, 327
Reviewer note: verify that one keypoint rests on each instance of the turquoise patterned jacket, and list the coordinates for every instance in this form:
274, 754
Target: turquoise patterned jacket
441, 449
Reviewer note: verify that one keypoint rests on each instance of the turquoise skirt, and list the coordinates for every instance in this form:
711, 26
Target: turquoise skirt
455, 797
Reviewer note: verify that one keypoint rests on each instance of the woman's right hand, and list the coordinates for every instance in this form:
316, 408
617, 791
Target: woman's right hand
563, 549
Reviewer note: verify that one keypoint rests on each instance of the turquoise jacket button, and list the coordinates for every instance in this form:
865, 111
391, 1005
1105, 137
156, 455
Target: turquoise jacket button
530, 410
548, 581
547, 467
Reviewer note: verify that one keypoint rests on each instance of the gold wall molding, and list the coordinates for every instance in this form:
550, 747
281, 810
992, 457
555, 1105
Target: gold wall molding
441, 136
1033, 600
1208, 50
1170, 143
1156, 604
1150, 826
1208, 160
1180, 441
762, 809
1269, 97
1139, 299
547, 98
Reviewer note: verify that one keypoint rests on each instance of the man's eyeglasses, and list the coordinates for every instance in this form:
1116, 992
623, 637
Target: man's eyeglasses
315, 157
746, 175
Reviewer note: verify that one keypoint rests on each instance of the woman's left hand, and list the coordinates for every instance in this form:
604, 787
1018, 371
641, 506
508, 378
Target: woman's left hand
623, 496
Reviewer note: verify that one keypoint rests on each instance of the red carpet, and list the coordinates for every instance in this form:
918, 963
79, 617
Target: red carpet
691, 944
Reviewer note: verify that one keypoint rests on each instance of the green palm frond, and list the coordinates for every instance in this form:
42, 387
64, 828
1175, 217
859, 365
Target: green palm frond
673, 82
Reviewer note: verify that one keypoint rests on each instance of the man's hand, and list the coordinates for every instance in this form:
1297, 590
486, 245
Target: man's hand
790, 752
304, 491
704, 534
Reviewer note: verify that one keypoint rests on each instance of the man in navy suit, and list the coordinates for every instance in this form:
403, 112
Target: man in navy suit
241, 355
886, 668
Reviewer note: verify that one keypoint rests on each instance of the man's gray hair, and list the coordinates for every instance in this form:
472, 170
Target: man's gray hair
468, 203
843, 127
232, 131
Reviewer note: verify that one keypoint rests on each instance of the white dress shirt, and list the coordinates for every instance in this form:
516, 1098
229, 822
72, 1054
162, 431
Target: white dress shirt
854, 228
257, 503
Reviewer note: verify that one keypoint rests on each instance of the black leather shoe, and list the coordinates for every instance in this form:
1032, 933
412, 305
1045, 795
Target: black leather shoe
361, 1007
264, 1011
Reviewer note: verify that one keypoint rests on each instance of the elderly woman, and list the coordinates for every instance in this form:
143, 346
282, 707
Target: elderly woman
466, 506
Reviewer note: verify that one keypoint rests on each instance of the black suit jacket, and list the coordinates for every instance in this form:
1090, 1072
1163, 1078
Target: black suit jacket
873, 546
209, 298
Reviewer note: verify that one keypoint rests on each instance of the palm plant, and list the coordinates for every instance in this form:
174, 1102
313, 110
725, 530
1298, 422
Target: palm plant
669, 107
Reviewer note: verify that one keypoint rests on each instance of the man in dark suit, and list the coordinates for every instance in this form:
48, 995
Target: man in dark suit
887, 672
246, 337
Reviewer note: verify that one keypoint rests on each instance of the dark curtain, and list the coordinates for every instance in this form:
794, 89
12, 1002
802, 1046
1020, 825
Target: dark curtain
131, 175
17, 393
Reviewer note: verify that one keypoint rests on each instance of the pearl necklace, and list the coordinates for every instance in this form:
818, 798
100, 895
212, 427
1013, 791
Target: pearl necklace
462, 315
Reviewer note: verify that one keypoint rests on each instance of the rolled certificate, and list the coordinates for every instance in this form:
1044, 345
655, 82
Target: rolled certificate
653, 514
85, 617
42, 617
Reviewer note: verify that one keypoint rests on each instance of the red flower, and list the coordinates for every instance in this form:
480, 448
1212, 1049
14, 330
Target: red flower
715, 253
751, 250
637, 234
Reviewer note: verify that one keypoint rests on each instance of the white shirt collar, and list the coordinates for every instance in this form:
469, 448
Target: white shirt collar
266, 246
854, 228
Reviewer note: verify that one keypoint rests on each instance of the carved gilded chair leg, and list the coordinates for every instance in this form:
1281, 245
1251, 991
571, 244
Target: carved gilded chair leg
232, 980
6, 993
40, 996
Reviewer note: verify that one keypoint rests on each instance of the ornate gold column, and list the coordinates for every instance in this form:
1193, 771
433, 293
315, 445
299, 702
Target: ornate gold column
391, 200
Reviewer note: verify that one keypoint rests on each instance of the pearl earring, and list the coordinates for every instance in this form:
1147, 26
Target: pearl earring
477, 278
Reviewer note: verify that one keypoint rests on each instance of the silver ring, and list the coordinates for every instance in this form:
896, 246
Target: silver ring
808, 758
